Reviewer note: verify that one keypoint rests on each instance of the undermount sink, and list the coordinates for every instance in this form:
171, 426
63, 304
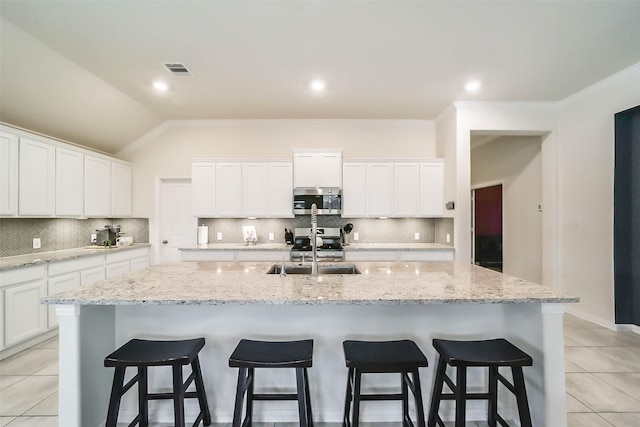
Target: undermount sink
322, 269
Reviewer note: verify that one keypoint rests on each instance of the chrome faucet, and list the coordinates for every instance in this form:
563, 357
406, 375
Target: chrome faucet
313, 239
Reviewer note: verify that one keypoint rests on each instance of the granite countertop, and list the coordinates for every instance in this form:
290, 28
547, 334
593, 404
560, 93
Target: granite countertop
215, 283
347, 248
236, 247
63, 255
396, 246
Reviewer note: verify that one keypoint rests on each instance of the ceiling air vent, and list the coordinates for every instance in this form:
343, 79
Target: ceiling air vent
178, 69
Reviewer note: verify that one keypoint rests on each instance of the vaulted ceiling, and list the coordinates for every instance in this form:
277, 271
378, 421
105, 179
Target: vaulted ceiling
83, 70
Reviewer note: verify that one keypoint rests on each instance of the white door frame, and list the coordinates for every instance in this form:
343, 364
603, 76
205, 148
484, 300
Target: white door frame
155, 223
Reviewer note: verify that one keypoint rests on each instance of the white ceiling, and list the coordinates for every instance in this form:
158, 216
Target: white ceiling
82, 70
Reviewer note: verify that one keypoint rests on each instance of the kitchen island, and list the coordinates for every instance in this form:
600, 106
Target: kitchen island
227, 301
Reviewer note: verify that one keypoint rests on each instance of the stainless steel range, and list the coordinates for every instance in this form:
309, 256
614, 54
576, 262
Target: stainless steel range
330, 249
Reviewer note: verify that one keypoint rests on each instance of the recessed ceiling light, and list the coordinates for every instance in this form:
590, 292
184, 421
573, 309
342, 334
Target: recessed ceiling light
160, 86
472, 86
318, 86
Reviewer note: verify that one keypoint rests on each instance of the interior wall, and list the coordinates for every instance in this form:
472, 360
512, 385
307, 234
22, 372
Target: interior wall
587, 172
445, 127
169, 150
516, 162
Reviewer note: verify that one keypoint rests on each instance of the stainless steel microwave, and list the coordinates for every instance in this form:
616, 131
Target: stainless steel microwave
327, 200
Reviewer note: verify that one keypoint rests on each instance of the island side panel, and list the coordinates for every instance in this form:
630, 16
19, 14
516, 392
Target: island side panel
86, 335
224, 325
538, 330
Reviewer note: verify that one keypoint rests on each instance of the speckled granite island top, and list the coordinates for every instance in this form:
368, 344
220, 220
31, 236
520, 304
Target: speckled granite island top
213, 283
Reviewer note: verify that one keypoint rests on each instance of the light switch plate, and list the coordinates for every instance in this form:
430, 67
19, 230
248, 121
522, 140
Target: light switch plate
416, 236
272, 236
356, 236
219, 235
36, 243
448, 238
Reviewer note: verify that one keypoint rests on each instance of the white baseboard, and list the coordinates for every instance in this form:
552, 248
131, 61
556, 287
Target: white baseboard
17, 348
603, 323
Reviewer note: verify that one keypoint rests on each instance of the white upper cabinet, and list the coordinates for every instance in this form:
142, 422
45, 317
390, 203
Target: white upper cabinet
203, 189
121, 182
97, 187
393, 189
432, 188
280, 190
242, 189
317, 169
255, 189
69, 182
36, 180
8, 174
229, 190
354, 189
380, 189
406, 189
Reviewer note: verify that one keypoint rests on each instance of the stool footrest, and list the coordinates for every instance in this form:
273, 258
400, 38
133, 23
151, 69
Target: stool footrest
275, 396
470, 396
507, 384
168, 395
390, 396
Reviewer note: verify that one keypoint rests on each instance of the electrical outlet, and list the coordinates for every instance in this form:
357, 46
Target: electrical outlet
272, 236
36, 243
416, 236
448, 238
356, 236
219, 235
94, 237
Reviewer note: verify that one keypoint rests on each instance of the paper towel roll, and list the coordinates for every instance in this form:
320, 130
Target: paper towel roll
203, 235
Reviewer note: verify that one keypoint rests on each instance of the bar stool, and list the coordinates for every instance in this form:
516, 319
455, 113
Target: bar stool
491, 354
403, 357
144, 353
250, 354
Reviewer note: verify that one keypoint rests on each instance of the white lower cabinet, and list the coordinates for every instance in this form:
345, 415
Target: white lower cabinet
118, 263
67, 282
24, 317
91, 276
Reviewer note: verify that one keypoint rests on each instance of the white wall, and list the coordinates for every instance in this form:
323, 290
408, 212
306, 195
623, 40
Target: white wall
446, 148
586, 177
168, 150
516, 163
535, 118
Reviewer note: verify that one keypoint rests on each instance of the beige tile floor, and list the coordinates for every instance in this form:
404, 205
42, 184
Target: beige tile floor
603, 381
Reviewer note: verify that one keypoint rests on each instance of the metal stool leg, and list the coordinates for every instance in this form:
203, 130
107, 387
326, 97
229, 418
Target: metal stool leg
436, 395
307, 395
355, 418
302, 398
114, 400
202, 397
417, 394
461, 392
178, 396
240, 390
521, 396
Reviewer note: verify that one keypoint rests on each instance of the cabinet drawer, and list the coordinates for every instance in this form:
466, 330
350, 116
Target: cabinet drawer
139, 263
371, 256
208, 256
91, 276
63, 267
20, 275
122, 255
118, 268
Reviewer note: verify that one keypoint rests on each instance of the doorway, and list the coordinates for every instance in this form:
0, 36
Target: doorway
487, 227
178, 226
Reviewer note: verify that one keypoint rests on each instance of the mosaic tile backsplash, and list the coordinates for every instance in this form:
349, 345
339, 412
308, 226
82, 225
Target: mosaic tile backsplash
17, 234
370, 230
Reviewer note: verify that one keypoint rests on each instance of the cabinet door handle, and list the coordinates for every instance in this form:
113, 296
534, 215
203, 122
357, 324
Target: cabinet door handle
164, 242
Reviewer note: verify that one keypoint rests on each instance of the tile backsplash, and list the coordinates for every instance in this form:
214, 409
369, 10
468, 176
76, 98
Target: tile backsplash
370, 230
17, 234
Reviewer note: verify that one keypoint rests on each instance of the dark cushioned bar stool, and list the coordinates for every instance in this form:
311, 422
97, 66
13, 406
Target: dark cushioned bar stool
144, 353
491, 354
249, 355
403, 357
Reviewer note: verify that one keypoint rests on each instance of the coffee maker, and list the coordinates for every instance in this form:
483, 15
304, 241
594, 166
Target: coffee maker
108, 235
